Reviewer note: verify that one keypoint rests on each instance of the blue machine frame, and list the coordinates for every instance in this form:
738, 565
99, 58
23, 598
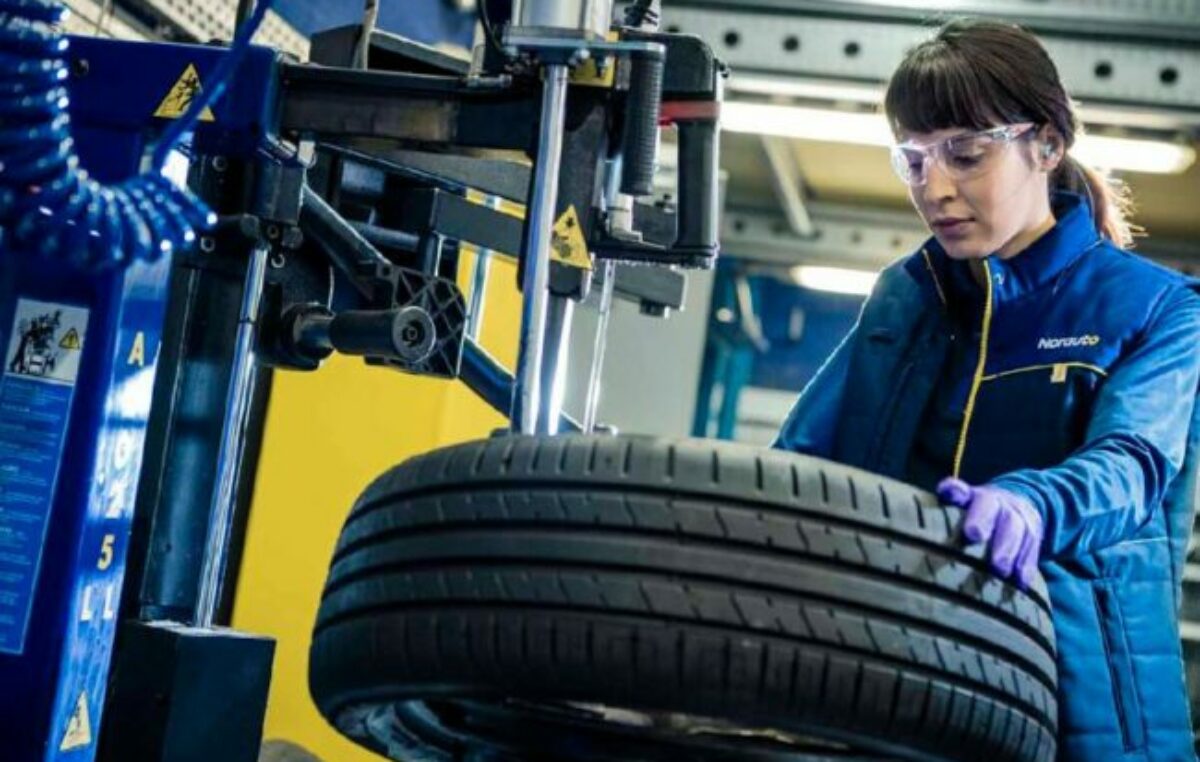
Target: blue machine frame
71, 446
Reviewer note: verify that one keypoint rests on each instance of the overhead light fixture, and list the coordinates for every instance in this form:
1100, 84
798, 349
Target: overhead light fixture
806, 123
871, 129
837, 280
792, 86
1157, 157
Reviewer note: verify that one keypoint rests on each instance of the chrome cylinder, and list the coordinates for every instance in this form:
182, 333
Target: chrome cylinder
233, 436
592, 399
590, 18
539, 219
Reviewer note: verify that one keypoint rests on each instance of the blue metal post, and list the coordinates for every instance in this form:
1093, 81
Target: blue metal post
70, 455
76, 384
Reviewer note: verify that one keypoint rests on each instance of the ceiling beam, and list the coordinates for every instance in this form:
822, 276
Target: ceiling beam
1170, 20
794, 40
788, 181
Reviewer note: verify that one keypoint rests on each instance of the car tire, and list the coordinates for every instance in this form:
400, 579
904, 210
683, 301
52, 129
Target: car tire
783, 595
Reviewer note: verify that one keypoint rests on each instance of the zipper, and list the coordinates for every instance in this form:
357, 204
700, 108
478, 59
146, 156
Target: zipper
977, 381
1118, 659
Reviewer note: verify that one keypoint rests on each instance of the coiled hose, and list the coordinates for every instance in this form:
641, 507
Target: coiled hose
48, 204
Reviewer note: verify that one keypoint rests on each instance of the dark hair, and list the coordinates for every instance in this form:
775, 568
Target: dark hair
980, 74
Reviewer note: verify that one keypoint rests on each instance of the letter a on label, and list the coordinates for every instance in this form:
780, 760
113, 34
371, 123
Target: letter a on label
137, 355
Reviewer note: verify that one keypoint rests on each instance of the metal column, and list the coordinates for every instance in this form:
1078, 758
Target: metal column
540, 221
237, 407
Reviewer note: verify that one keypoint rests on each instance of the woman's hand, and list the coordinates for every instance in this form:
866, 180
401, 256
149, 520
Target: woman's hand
1007, 521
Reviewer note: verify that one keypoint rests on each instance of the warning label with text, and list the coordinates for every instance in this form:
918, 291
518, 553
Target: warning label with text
37, 383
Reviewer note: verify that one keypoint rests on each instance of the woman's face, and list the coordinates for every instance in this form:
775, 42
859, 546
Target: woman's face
977, 200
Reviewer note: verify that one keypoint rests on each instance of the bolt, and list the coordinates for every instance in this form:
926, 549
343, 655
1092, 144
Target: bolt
208, 245
220, 163
412, 334
80, 68
273, 232
415, 335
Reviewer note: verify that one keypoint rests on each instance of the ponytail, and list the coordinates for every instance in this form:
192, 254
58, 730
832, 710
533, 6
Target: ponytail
1109, 198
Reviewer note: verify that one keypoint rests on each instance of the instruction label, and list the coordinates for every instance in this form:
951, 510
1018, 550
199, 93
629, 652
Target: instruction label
41, 366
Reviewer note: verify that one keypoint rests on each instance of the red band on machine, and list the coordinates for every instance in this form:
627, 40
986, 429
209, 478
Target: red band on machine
685, 111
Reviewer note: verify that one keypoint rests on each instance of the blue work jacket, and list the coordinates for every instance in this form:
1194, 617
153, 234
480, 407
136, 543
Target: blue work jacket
1083, 373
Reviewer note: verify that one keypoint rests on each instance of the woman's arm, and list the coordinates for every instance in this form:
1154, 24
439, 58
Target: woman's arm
1135, 443
811, 424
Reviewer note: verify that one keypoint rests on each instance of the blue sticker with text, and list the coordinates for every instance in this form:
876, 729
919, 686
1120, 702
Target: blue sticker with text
37, 383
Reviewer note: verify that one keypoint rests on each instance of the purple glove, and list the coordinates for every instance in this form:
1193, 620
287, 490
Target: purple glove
1005, 520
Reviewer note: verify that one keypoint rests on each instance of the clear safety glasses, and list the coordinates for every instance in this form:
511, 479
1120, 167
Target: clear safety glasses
961, 157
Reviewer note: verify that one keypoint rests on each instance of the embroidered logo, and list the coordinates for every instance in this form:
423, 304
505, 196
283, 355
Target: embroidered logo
1090, 340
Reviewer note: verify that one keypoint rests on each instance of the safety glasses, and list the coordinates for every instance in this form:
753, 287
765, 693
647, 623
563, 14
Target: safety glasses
961, 157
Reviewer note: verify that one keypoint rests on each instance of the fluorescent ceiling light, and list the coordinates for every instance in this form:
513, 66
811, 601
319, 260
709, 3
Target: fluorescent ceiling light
838, 280
806, 123
871, 129
799, 87
1152, 156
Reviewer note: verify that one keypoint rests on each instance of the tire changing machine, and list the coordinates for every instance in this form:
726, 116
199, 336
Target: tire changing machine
131, 399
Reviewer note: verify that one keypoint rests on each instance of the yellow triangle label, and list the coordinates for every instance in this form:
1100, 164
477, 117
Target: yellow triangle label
71, 340
567, 244
180, 97
79, 727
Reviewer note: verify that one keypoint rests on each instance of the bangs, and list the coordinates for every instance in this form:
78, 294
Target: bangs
937, 87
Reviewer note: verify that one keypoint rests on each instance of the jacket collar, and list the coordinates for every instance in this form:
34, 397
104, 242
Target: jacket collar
1038, 265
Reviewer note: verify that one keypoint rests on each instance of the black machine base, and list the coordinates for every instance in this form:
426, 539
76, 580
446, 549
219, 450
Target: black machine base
185, 694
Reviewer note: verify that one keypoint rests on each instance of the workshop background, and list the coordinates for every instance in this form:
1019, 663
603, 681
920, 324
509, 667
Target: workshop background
812, 211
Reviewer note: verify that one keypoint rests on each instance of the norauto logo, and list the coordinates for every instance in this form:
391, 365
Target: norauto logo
1089, 340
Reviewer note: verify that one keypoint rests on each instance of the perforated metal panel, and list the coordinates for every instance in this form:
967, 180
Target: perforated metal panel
205, 20
84, 15
1169, 19
1122, 71
848, 237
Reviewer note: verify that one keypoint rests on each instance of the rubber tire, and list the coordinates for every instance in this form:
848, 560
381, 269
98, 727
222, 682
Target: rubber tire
691, 576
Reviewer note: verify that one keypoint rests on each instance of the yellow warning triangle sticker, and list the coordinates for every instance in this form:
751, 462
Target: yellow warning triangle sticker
71, 340
180, 97
79, 727
567, 244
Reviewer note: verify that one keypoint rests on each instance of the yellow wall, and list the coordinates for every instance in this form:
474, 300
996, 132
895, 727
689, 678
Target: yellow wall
328, 434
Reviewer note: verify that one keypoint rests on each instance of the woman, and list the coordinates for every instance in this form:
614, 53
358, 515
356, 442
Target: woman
1035, 374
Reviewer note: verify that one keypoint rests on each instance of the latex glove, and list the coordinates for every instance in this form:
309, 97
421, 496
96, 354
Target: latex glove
1007, 521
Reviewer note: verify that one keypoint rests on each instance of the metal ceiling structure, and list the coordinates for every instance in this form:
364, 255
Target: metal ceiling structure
177, 20
1123, 19
846, 236
1107, 68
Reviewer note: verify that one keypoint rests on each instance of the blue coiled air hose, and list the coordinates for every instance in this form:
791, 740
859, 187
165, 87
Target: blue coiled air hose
48, 204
